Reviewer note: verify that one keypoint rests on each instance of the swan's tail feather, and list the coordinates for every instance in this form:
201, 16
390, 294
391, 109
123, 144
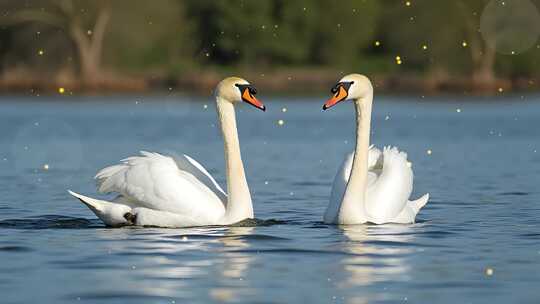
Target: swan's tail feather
419, 203
94, 204
112, 214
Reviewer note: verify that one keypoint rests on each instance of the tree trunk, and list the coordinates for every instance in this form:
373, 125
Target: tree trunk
484, 68
90, 47
482, 54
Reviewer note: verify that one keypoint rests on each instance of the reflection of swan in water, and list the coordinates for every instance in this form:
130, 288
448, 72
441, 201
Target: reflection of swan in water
378, 254
150, 262
174, 260
236, 263
233, 266
205, 264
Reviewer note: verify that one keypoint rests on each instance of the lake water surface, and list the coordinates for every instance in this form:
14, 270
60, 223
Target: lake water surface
477, 240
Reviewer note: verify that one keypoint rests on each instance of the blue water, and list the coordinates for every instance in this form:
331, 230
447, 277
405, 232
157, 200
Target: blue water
477, 241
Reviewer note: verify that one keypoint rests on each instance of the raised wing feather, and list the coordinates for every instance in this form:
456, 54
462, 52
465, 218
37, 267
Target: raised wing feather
388, 196
186, 163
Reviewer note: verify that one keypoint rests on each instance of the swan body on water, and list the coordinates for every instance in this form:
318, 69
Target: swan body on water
165, 191
371, 186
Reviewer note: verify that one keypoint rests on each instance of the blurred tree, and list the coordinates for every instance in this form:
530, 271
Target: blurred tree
229, 32
343, 30
150, 35
442, 37
280, 31
482, 54
84, 22
292, 32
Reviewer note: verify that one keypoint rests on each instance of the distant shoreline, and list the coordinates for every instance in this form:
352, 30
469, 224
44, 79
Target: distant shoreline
301, 81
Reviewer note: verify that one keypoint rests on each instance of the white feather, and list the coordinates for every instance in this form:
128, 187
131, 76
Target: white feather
389, 187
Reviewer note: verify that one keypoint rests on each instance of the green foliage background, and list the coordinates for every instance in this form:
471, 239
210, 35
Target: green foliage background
169, 37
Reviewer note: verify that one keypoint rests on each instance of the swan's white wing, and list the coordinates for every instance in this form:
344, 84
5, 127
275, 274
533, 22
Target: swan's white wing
157, 182
342, 178
387, 197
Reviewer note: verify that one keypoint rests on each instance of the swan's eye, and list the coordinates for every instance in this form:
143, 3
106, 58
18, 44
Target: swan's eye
346, 85
335, 88
243, 87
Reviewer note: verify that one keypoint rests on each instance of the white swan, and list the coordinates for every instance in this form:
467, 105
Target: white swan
158, 190
371, 186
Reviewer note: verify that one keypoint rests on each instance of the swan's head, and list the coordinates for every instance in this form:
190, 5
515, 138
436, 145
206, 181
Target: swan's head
235, 90
350, 87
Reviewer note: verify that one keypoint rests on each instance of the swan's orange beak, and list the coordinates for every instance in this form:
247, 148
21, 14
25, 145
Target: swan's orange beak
340, 95
247, 97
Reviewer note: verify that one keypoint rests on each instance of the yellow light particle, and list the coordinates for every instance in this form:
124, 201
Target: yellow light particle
398, 58
46, 167
424, 47
281, 122
283, 109
377, 43
489, 271
408, 3
501, 90
61, 90
464, 44
458, 110
41, 52
429, 152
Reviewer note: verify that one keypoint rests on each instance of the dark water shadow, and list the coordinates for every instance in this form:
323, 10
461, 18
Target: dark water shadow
15, 249
50, 222
515, 193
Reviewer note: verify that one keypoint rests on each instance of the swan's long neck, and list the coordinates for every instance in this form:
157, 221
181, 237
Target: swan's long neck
239, 205
352, 206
